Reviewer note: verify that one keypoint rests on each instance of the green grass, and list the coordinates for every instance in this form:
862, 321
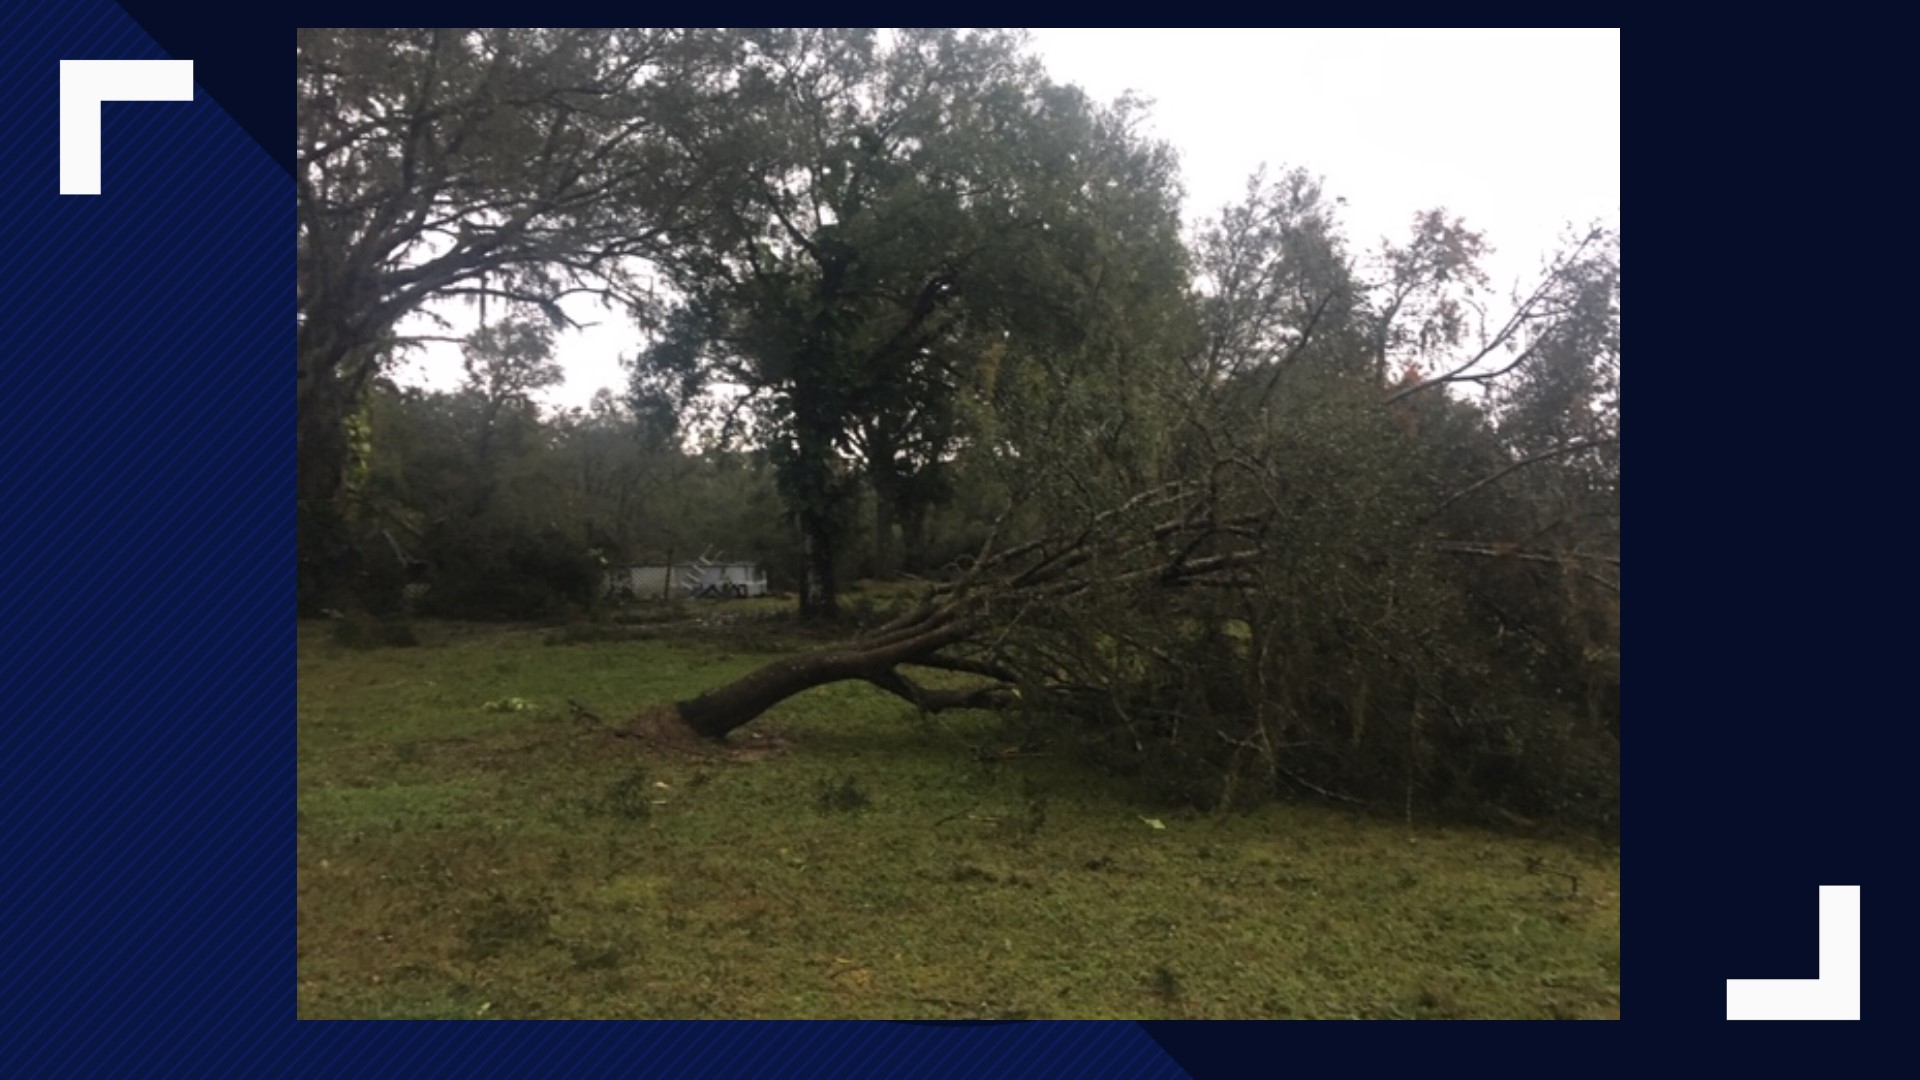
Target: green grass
457, 861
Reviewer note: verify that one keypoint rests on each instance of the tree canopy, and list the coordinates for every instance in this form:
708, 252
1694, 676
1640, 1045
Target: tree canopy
903, 211
513, 165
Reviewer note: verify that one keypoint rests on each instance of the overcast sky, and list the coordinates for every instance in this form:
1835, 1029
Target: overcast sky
1517, 131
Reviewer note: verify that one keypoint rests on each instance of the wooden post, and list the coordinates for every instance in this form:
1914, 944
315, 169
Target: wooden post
666, 582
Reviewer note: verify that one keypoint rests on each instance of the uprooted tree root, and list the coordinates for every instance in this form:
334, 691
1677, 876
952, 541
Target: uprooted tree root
660, 731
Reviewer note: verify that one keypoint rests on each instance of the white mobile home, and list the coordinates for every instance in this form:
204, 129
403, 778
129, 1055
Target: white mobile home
701, 580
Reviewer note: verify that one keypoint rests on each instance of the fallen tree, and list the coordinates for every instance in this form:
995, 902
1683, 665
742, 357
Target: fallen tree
948, 628
1364, 591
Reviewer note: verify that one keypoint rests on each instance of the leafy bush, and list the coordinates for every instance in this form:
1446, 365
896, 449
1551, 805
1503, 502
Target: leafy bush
500, 573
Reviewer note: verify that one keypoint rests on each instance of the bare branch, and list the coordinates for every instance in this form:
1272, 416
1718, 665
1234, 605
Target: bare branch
1544, 455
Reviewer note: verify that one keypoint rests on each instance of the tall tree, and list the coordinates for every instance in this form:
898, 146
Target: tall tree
513, 164
506, 364
909, 198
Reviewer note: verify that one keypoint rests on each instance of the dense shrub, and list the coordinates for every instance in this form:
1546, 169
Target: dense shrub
501, 574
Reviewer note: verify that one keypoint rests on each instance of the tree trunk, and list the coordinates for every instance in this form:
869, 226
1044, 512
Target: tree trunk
883, 560
722, 709
884, 480
820, 592
323, 547
914, 537
335, 354
810, 487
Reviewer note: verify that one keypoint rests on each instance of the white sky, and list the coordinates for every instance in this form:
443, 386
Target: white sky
1517, 131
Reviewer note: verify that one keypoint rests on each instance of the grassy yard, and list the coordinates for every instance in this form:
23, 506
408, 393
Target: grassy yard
470, 847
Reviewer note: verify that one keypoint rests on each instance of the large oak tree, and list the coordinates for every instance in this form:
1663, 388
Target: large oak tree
903, 208
520, 165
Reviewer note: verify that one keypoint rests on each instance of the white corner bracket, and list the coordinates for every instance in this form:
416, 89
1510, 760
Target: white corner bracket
1835, 995
84, 84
